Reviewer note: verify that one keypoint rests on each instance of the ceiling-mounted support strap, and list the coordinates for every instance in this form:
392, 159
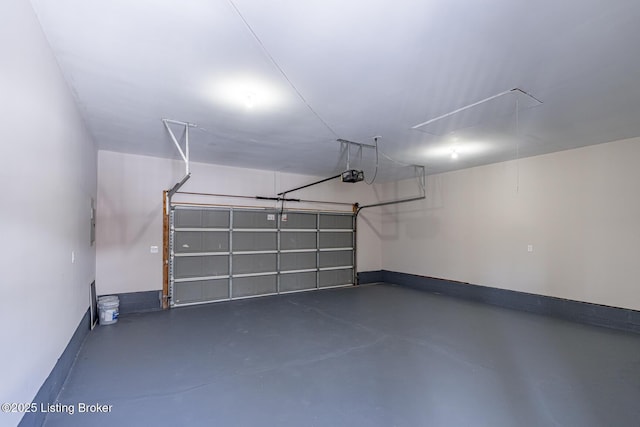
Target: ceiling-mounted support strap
183, 153
475, 104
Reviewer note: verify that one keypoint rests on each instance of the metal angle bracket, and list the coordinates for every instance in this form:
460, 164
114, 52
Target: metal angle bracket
183, 153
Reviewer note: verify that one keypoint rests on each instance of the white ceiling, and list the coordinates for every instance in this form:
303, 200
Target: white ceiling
365, 67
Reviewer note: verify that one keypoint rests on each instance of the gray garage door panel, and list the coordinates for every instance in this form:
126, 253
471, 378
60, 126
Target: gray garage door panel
200, 266
254, 263
254, 219
299, 220
201, 218
298, 240
253, 286
336, 221
201, 241
254, 241
336, 240
336, 258
335, 277
201, 291
297, 281
297, 261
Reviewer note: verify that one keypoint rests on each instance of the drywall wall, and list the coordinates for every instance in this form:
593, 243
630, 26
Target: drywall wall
129, 218
578, 209
48, 175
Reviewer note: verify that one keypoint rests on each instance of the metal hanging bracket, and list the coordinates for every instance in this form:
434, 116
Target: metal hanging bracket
345, 146
183, 153
420, 171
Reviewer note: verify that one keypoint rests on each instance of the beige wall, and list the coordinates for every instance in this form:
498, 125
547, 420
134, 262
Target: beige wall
580, 209
48, 175
129, 218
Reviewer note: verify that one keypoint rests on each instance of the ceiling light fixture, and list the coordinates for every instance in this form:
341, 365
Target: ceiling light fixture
464, 148
247, 92
249, 102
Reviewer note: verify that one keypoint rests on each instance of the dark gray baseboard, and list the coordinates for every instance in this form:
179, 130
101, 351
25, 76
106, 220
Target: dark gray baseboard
139, 302
53, 384
577, 311
365, 277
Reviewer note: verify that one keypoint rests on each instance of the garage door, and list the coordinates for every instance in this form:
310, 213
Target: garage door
223, 254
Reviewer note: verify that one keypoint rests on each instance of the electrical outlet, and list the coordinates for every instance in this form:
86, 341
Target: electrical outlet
529, 248
153, 249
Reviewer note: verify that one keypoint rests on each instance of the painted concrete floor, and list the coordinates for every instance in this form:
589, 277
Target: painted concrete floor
376, 355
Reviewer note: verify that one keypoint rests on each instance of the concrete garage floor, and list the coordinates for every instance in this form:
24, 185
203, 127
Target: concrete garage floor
376, 355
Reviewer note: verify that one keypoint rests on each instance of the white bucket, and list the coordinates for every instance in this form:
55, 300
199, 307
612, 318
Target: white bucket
108, 309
